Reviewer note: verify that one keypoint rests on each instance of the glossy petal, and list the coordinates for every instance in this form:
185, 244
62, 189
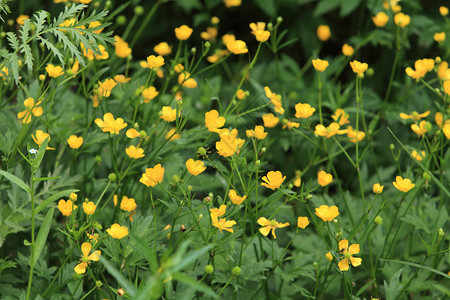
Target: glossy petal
343, 244
343, 265
356, 261
354, 249
263, 221
86, 248
265, 230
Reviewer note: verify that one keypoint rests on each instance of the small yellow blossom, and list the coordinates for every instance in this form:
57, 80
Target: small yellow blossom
195, 167
75, 142
86, 258
168, 114
172, 135
403, 185
155, 61
132, 133
134, 152
231, 3
329, 131
327, 213
149, 93
241, 95
439, 37
185, 80
348, 253
109, 124
358, 67
153, 176
340, 116
54, 71
66, 207
106, 87
163, 49
320, 65
324, 178
377, 188
420, 129
270, 120
347, 50
258, 30
40, 137
229, 143
128, 204
418, 156
257, 133
73, 197
228, 38
380, 19
329, 256
116, 231
414, 115
237, 47
89, 207
302, 222
219, 211
222, 224
183, 32
21, 19
275, 99
354, 134
235, 199
303, 110
213, 122
270, 225
402, 20
323, 32
446, 130
289, 124
210, 34
121, 47
31, 109
273, 180
443, 10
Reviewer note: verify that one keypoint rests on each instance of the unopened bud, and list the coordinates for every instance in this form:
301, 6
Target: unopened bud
200, 216
370, 72
189, 188
201, 151
426, 176
236, 271
120, 292
182, 228
378, 220
42, 77
209, 269
392, 146
279, 20
441, 232
138, 10
121, 20
98, 284
112, 177
315, 264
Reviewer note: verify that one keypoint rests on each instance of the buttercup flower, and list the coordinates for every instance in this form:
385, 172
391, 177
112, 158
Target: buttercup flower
86, 258
275, 99
54, 71
235, 199
347, 253
213, 122
128, 204
323, 32
273, 180
327, 213
402, 20
439, 37
210, 34
420, 129
231, 3
172, 135
340, 116
31, 109
257, 133
324, 178
229, 143
258, 30
66, 207
302, 222
228, 38
195, 167
380, 19
329, 256
222, 224
183, 32
155, 61
289, 124
40, 137
422, 66
446, 130
358, 67
443, 10
241, 95
270, 120
320, 65
106, 87
219, 211
168, 114
354, 134
75, 142
237, 47
329, 131
89, 207
303, 110
134, 152
109, 124
153, 176
132, 133
270, 225
185, 80
162, 49
116, 231
403, 185
121, 47
149, 93
418, 156
377, 188
21, 19
347, 50
414, 115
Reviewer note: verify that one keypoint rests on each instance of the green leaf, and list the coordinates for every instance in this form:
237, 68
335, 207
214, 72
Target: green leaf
364, 287
128, 286
418, 266
325, 6
145, 250
16, 180
268, 7
348, 6
46, 178
52, 198
194, 284
416, 222
42, 235
39, 155
394, 287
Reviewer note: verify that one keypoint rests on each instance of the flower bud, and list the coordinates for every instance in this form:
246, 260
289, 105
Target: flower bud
258, 162
2, 34
290, 186
438, 60
426, 176
138, 10
201, 151
428, 126
120, 291
193, 50
279, 20
378, 220
315, 264
189, 188
98, 284
112, 177
263, 150
441, 232
98, 159
121, 20
392, 147
236, 271
209, 269
200, 216
42, 77
182, 228
329, 256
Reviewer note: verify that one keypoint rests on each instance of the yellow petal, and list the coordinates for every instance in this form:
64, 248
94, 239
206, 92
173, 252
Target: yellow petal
95, 256
354, 249
80, 268
264, 230
343, 265
86, 248
343, 244
356, 261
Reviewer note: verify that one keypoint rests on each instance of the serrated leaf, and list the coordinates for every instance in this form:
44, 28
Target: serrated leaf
40, 17
42, 235
16, 180
52, 48
393, 288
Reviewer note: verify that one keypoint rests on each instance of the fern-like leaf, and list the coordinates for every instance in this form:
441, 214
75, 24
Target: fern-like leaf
24, 47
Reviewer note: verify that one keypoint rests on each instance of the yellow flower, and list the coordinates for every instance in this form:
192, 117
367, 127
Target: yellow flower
302, 222
347, 253
213, 122
358, 67
420, 129
414, 115
403, 185
329, 131
66, 207
289, 124
320, 65
95, 23
222, 224
31, 108
354, 134
418, 156
231, 3
235, 199
91, 55
185, 80
132, 133
75, 142
422, 66
340, 115
155, 61
258, 30
303, 110
273, 180
323, 32
237, 47
149, 93
168, 114
73, 197
89, 207
54, 71
347, 50
443, 10
122, 48
21, 19
402, 20
85, 258
109, 124
134, 152
275, 99
329, 256
446, 130
228, 38
327, 213
128, 204
153, 176
270, 120
117, 231
219, 211
183, 32
106, 87
210, 34
40, 137
380, 19
324, 179
162, 49
257, 133
439, 37
447, 87
241, 95
270, 225
377, 188
297, 179
195, 167
229, 143
172, 135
